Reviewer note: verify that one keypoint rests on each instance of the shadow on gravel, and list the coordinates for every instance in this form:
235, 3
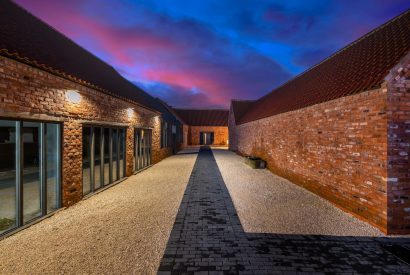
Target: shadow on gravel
208, 236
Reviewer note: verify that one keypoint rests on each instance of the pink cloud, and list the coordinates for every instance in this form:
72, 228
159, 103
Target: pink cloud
179, 54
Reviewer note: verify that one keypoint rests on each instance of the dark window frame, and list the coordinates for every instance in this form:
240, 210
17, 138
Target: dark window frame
102, 157
19, 166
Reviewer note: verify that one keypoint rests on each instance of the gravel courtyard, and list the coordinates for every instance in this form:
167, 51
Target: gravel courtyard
126, 229
267, 203
122, 230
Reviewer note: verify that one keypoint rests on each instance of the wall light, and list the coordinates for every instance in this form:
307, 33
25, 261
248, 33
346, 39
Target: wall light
73, 96
130, 112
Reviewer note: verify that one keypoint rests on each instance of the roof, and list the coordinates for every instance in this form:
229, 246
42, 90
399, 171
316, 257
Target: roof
25, 38
358, 67
239, 107
168, 113
196, 117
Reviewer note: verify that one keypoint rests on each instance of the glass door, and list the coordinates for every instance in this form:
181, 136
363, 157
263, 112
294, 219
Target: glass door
103, 156
142, 148
30, 157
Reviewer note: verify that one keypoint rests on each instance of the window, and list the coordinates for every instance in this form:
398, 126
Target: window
103, 156
30, 156
142, 148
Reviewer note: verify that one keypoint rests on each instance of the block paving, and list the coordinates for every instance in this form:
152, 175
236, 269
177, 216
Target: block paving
208, 238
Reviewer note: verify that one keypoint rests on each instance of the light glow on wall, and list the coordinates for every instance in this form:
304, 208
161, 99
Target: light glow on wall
130, 112
73, 96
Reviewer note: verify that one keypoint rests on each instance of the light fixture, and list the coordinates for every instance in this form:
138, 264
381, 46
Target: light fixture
73, 96
130, 112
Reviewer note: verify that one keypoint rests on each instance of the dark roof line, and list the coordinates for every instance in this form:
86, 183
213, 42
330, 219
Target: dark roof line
203, 117
200, 109
339, 51
56, 58
62, 74
360, 66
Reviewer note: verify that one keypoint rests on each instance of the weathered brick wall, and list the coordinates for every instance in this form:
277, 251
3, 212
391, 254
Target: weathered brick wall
220, 134
337, 149
185, 132
398, 181
232, 133
30, 93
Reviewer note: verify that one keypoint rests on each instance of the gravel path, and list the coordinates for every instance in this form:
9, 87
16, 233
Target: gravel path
122, 230
267, 203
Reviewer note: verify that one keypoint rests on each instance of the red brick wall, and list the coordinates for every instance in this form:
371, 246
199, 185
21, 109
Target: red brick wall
220, 134
30, 93
398, 180
337, 149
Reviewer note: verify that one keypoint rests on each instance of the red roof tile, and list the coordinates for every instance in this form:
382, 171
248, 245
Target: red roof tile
195, 117
239, 107
360, 66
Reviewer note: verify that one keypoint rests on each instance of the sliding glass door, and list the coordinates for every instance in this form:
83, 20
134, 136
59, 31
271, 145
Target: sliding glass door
142, 148
8, 175
103, 156
29, 171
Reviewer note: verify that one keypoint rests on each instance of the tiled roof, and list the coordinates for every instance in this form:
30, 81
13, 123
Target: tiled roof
27, 39
360, 66
194, 117
239, 107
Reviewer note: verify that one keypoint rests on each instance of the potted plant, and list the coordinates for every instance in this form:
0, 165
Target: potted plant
255, 162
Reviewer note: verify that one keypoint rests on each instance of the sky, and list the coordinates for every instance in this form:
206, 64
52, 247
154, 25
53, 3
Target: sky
203, 53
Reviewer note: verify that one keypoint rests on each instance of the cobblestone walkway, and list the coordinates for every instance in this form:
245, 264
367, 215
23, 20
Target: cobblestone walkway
207, 238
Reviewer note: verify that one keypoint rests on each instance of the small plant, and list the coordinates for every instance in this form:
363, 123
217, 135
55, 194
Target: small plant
5, 223
255, 162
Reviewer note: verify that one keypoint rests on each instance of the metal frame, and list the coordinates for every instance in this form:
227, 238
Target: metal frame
111, 167
19, 167
142, 148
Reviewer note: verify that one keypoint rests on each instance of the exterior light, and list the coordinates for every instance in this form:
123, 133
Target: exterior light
73, 96
130, 112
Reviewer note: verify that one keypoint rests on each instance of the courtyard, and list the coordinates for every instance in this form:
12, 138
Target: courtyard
202, 210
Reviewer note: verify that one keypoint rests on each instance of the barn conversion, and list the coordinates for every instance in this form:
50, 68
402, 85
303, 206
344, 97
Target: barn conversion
203, 127
342, 128
70, 124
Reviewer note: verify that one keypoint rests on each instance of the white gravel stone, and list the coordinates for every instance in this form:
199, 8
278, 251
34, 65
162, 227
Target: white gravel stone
122, 230
267, 203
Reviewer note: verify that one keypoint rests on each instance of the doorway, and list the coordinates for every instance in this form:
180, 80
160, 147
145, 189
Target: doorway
142, 148
206, 138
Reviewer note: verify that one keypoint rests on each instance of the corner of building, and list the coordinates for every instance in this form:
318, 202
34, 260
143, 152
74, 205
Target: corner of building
398, 166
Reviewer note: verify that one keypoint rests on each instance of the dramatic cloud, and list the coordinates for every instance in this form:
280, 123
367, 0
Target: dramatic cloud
204, 53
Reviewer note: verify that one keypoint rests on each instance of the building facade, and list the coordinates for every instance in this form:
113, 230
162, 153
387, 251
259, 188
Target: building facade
342, 128
204, 127
70, 125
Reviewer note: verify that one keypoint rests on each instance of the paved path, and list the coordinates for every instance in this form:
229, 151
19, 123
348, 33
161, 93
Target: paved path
207, 236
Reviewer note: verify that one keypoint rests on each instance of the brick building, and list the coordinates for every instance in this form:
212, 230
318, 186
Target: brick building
69, 123
203, 127
342, 128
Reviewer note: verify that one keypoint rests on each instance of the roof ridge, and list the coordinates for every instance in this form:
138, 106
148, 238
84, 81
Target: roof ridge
243, 100
201, 109
338, 52
66, 37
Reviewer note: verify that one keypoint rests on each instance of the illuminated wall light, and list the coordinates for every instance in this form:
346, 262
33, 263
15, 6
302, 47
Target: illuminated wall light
130, 112
73, 96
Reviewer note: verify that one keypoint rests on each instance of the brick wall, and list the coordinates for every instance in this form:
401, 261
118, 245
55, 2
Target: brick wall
336, 149
220, 134
398, 180
353, 151
30, 93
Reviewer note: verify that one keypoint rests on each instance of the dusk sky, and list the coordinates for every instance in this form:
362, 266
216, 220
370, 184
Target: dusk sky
204, 53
